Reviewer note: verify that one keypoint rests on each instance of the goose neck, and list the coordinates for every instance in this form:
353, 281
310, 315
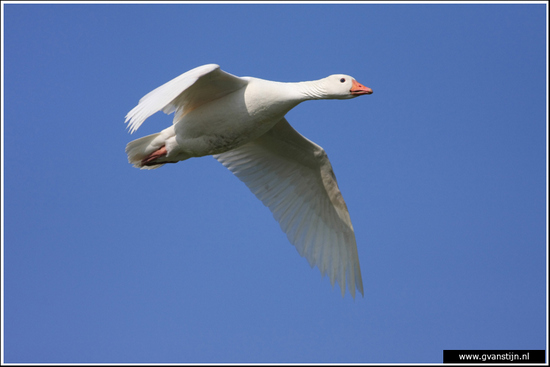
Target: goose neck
310, 90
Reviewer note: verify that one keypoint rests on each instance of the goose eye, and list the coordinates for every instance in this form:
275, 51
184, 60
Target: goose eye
342, 80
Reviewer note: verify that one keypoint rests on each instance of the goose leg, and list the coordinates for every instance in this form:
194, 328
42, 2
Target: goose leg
148, 161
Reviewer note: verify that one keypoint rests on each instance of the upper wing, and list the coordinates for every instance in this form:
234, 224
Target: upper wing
293, 177
185, 93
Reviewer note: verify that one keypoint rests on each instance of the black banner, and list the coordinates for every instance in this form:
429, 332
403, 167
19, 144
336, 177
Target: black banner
494, 356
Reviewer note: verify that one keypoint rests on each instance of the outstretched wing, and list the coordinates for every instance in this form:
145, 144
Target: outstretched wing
293, 177
185, 93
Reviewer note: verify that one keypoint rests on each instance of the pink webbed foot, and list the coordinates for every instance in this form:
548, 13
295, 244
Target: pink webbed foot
148, 161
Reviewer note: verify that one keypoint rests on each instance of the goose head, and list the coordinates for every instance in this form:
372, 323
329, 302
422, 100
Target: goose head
340, 86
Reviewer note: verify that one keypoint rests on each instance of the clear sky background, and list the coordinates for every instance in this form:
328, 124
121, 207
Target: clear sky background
443, 169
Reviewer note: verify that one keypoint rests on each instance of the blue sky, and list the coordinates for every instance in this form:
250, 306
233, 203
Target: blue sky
443, 169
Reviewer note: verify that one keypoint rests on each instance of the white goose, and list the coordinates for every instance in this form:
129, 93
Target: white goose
240, 120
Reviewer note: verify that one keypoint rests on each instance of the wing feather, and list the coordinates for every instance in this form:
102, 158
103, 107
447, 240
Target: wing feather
185, 93
293, 177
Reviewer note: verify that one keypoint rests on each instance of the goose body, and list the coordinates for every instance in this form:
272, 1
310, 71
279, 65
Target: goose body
240, 121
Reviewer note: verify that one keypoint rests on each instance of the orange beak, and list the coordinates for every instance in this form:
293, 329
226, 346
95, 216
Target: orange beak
359, 89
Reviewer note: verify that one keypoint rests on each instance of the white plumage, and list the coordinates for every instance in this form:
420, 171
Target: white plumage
240, 121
